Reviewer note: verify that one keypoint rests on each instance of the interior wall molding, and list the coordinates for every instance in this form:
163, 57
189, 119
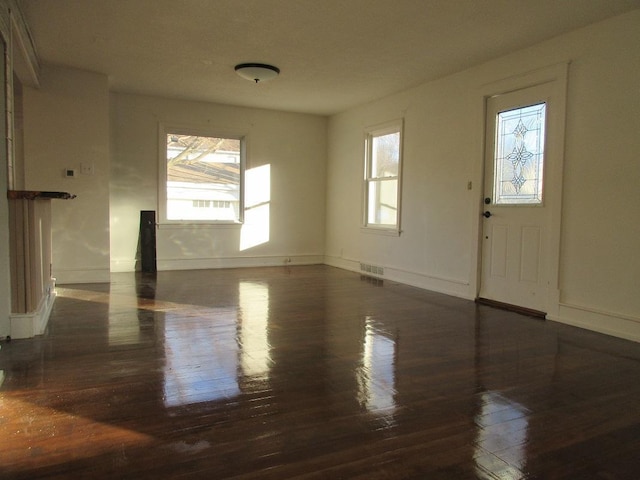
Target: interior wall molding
28, 325
601, 321
448, 286
237, 262
94, 275
26, 64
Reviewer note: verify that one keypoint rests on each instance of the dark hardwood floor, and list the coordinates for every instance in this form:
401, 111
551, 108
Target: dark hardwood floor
310, 372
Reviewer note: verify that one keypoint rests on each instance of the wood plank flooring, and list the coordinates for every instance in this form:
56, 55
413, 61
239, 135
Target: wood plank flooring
310, 373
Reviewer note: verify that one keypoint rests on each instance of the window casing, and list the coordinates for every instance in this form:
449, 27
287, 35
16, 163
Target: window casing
382, 177
201, 177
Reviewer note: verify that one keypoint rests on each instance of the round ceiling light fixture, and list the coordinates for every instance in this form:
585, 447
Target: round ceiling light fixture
257, 72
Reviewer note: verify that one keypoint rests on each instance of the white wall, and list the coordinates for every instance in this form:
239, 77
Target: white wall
600, 264
436, 204
600, 260
66, 124
291, 146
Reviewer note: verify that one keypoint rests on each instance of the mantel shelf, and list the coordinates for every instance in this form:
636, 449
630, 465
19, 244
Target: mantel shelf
35, 194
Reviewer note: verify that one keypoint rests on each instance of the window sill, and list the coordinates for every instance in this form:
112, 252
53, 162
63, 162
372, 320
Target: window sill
196, 225
389, 232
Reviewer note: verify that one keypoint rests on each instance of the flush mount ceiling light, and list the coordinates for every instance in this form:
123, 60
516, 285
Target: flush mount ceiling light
257, 72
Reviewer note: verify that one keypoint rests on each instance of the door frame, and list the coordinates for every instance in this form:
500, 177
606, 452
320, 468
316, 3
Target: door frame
557, 76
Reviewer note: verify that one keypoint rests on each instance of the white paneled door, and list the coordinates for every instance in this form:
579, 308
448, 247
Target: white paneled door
517, 218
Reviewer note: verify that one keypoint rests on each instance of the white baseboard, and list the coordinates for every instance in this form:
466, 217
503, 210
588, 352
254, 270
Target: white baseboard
609, 323
237, 262
119, 265
90, 275
28, 325
448, 286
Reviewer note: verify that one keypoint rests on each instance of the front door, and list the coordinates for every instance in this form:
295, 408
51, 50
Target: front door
516, 224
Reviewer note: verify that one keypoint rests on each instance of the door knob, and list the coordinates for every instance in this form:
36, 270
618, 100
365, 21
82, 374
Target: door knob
486, 214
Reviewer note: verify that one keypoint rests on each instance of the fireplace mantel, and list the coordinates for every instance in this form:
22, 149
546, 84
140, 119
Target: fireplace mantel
36, 194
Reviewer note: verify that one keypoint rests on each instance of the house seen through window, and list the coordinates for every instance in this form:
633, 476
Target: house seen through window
203, 178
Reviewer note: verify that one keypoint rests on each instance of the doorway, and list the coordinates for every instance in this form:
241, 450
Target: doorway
520, 223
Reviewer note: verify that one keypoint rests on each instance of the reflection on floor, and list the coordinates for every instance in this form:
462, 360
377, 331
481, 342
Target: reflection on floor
376, 373
310, 372
502, 437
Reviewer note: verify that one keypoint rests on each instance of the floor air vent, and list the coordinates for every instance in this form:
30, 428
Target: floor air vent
372, 269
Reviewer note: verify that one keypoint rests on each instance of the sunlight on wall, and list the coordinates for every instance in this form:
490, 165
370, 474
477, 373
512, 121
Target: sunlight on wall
254, 308
255, 230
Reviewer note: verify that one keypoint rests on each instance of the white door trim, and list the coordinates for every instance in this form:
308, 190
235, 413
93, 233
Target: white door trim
557, 75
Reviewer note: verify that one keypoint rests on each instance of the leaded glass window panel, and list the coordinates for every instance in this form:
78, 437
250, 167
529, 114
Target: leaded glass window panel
519, 155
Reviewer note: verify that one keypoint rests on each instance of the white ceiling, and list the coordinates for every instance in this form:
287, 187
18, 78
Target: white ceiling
333, 54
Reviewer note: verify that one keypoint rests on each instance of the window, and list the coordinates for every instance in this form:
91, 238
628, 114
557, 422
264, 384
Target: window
201, 178
383, 161
519, 155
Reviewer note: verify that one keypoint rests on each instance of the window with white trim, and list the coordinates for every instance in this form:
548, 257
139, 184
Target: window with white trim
201, 177
382, 176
